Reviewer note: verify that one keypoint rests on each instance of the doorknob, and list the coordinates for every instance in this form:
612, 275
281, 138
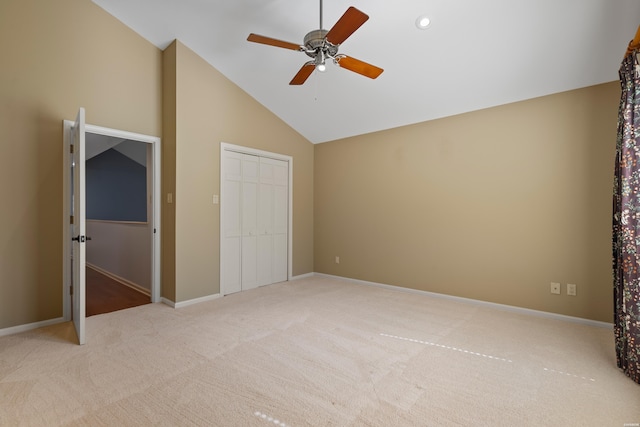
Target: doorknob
80, 239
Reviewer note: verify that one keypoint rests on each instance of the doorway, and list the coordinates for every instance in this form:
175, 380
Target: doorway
119, 177
75, 236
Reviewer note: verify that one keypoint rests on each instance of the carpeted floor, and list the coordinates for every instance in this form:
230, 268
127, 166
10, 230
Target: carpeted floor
316, 352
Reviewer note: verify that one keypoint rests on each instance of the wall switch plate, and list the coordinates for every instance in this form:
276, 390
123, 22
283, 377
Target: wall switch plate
571, 289
337, 260
169, 197
555, 288
216, 199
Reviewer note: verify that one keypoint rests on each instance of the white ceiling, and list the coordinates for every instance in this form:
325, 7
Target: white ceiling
475, 54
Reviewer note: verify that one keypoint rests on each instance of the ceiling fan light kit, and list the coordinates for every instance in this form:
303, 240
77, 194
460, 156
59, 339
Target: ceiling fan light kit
321, 45
319, 63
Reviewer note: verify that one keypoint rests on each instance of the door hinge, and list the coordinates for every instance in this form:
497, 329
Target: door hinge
71, 290
71, 219
154, 231
71, 148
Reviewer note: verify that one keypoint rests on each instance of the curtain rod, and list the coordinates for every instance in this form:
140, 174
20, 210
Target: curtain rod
634, 44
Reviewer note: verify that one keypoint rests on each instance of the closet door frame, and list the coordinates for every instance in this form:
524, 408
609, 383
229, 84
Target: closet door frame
260, 153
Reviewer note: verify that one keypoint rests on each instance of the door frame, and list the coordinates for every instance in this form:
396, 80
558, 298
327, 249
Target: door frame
66, 196
224, 146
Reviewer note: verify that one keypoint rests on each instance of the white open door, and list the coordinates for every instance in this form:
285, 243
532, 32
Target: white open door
74, 215
79, 219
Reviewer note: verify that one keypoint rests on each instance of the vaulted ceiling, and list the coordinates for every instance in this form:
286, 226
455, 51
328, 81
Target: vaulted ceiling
474, 54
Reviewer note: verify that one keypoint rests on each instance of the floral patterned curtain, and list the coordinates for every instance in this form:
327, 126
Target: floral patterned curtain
626, 222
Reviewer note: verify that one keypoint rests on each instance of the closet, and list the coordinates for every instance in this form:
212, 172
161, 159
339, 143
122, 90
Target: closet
254, 220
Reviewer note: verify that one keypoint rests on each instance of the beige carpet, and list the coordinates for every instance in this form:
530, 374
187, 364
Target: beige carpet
316, 352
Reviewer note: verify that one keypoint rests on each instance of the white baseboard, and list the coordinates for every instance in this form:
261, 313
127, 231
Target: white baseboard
189, 302
121, 280
168, 302
302, 276
497, 306
504, 307
30, 326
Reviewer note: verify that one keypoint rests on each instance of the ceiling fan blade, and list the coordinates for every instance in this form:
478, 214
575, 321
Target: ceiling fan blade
346, 25
359, 67
256, 38
303, 74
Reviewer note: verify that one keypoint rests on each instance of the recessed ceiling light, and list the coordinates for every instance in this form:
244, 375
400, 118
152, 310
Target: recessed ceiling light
423, 22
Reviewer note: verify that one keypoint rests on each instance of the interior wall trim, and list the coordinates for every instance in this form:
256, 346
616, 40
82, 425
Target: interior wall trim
30, 326
189, 302
503, 307
303, 276
121, 280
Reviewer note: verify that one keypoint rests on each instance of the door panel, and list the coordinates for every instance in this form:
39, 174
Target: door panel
279, 258
79, 227
265, 224
280, 210
264, 262
280, 221
250, 178
232, 232
249, 268
232, 235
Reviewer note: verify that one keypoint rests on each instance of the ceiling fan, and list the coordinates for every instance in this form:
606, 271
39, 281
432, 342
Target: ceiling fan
321, 45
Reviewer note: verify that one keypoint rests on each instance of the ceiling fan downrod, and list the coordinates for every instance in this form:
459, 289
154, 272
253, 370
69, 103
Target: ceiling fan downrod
317, 47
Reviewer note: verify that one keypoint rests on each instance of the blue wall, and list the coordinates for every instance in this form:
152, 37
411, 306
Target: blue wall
116, 188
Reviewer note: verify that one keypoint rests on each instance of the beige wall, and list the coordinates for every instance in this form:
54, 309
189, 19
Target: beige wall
491, 205
168, 211
62, 55
56, 57
210, 109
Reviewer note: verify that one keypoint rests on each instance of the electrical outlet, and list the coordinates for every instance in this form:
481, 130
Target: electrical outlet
555, 288
571, 289
337, 260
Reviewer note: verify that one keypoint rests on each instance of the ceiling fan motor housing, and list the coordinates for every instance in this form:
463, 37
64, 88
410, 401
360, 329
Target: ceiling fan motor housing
315, 42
